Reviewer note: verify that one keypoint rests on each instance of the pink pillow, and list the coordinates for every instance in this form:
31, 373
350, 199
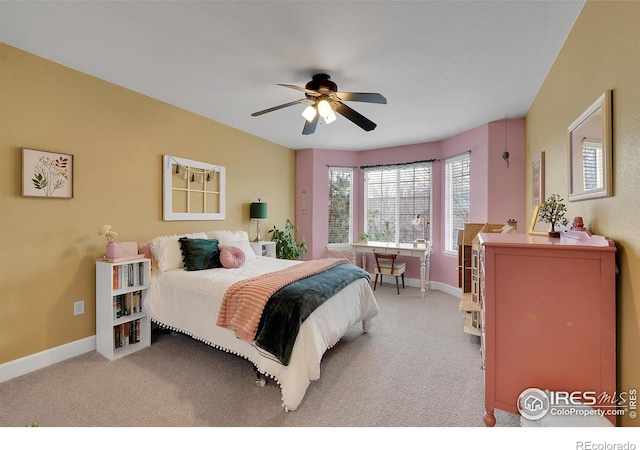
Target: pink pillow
231, 257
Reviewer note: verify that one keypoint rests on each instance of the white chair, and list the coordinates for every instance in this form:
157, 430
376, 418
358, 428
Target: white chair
386, 264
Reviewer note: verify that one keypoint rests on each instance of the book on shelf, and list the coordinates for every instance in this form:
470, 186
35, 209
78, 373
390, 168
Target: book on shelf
117, 307
116, 337
128, 275
126, 334
128, 307
127, 304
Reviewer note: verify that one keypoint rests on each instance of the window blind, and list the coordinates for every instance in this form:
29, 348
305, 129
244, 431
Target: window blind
592, 164
457, 201
394, 196
340, 205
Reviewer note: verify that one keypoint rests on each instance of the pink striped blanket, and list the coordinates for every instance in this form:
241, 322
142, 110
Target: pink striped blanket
244, 301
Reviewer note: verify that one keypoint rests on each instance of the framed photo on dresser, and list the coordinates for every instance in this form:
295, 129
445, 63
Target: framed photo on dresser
536, 227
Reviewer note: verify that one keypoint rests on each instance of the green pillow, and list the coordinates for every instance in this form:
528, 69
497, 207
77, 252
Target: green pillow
200, 254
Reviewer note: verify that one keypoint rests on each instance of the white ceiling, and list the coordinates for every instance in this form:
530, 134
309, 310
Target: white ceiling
444, 66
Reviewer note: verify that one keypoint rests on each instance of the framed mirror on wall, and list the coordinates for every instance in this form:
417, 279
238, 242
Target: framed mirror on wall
590, 152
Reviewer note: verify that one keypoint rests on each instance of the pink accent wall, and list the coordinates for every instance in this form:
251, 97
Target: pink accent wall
444, 267
497, 192
312, 176
304, 184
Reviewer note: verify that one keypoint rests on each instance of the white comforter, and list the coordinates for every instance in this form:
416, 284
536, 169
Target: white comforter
189, 302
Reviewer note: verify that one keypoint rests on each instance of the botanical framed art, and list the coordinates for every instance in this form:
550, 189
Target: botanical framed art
46, 174
537, 180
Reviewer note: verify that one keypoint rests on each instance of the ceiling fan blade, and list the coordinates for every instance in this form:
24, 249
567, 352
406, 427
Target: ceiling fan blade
305, 90
355, 117
275, 108
310, 127
369, 97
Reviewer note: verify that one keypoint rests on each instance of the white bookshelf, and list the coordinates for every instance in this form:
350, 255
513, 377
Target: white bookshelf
126, 284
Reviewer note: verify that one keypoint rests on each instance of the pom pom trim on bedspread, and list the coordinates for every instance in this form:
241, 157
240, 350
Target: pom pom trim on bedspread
366, 324
224, 349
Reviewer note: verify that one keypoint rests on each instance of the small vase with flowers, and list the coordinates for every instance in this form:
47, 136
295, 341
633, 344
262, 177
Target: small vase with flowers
112, 246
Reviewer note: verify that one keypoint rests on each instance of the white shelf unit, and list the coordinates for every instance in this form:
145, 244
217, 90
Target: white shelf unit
264, 248
110, 287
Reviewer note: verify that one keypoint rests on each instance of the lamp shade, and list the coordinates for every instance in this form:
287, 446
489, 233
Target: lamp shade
309, 113
324, 108
258, 211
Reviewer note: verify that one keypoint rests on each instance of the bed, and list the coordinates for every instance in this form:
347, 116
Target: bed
189, 301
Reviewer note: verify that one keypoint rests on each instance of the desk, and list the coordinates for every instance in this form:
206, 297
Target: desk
421, 251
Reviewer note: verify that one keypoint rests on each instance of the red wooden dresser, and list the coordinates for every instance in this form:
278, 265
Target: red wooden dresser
548, 316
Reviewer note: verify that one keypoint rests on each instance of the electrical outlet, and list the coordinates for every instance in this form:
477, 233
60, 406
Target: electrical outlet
78, 307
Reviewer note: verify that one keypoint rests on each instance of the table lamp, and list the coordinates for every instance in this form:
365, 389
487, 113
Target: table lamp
258, 214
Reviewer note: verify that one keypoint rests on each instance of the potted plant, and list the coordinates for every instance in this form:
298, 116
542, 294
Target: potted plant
286, 245
552, 212
364, 237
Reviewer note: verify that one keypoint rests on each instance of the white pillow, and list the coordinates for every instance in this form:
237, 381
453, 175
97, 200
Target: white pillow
167, 251
249, 254
225, 237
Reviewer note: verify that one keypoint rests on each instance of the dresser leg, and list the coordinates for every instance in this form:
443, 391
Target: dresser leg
489, 418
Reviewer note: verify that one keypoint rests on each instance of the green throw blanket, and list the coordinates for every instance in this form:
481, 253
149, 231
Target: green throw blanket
290, 306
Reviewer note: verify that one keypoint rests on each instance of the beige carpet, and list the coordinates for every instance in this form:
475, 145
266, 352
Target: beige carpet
416, 368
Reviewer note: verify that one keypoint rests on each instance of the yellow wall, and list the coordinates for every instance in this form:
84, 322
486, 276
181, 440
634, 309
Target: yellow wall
117, 138
600, 53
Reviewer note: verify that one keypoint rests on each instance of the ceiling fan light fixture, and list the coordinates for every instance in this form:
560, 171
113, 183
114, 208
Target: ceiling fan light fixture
330, 117
324, 108
309, 113
326, 112
327, 103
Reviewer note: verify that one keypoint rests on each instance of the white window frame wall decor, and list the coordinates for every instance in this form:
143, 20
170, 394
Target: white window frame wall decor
196, 174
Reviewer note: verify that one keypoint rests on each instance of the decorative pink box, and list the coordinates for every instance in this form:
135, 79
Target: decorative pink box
126, 249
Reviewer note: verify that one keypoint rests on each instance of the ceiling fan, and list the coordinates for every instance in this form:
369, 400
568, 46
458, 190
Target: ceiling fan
326, 99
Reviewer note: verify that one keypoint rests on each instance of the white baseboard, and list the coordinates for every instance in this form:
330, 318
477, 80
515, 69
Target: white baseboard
435, 285
22, 366
447, 289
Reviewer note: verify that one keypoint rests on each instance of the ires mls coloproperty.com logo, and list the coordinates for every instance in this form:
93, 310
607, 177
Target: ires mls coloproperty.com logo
534, 403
